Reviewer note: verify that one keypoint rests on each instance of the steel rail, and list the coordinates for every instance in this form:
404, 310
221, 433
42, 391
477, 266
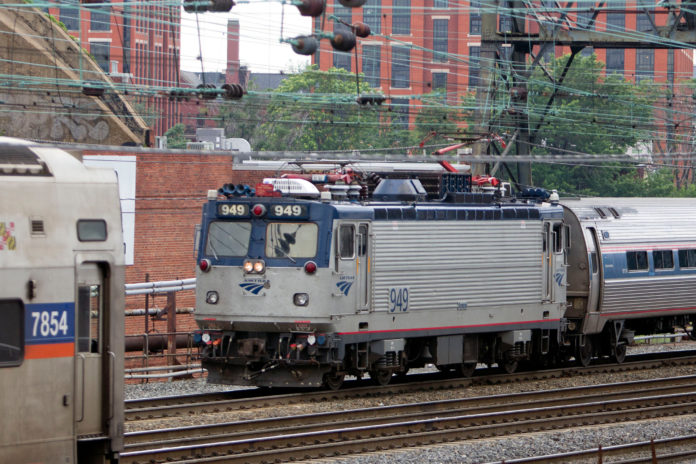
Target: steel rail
249, 429
349, 440
153, 408
663, 449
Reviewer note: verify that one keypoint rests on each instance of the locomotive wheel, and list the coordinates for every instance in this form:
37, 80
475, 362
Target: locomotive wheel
466, 369
381, 376
509, 366
618, 354
334, 381
584, 353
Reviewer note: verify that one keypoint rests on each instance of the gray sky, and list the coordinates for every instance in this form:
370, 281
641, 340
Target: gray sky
260, 27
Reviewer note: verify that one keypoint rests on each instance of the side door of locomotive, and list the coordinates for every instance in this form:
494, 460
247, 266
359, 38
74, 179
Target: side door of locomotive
353, 263
93, 360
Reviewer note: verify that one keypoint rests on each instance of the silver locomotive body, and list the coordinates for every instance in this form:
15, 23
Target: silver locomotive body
376, 287
61, 308
632, 269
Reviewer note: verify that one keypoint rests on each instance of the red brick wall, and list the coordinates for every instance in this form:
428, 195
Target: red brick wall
170, 192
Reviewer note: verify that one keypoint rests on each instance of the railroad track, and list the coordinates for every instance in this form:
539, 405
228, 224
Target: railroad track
399, 426
154, 408
666, 450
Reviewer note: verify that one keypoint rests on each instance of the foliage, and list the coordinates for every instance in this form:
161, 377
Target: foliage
316, 110
175, 136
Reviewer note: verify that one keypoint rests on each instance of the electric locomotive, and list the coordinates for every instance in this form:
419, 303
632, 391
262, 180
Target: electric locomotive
297, 287
61, 308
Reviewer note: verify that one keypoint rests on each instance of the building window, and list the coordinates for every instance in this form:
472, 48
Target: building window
400, 69
100, 52
643, 20
342, 60
400, 109
687, 258
440, 49
549, 54
645, 64
585, 17
474, 65
372, 15
401, 17
663, 259
12, 335
100, 17
637, 260
440, 4
505, 24
70, 15
616, 21
371, 64
615, 61
587, 51
475, 17
439, 84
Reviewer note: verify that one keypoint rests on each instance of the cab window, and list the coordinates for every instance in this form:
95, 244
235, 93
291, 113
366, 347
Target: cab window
291, 240
228, 238
11, 333
346, 241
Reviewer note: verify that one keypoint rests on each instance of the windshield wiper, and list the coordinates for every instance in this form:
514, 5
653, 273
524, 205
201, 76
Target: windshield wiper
276, 248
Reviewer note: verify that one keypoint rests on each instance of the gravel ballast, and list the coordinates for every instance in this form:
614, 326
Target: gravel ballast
476, 451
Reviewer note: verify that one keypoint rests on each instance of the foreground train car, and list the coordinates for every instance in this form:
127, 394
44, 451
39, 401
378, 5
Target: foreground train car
61, 308
293, 291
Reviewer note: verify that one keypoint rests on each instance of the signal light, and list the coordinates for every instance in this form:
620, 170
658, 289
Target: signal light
352, 3
311, 8
204, 265
375, 99
304, 45
258, 210
310, 267
362, 30
232, 91
199, 6
343, 41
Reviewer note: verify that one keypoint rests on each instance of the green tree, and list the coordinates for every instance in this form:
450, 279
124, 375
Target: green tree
175, 136
316, 110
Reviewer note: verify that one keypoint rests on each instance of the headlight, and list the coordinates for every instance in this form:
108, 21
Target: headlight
211, 297
256, 266
300, 299
259, 267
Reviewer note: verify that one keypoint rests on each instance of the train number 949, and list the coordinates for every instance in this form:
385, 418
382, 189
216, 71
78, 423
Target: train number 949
398, 300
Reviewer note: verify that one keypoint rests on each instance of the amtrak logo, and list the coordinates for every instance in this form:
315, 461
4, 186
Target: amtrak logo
558, 277
344, 286
255, 286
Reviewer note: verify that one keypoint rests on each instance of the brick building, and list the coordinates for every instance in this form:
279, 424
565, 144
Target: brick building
137, 45
437, 44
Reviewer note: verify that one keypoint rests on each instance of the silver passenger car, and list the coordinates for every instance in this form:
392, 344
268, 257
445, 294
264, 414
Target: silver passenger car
61, 308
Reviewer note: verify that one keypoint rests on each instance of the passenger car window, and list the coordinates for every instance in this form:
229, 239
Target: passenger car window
687, 258
91, 230
228, 238
291, 240
663, 259
11, 333
637, 260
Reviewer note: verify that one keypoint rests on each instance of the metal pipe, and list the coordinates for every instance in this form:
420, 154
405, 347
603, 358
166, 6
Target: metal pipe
155, 342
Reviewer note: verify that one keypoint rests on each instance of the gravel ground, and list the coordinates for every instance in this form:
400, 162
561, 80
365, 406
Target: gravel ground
479, 451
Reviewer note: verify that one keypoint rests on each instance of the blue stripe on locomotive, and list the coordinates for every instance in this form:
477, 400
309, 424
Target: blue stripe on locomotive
323, 214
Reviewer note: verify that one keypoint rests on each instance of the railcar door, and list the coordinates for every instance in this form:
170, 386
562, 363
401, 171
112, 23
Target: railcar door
91, 359
353, 265
595, 268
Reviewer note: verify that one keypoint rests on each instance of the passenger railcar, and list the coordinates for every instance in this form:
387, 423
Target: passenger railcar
632, 270
61, 308
298, 291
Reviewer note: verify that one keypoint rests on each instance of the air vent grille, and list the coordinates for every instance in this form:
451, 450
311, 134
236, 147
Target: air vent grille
37, 227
